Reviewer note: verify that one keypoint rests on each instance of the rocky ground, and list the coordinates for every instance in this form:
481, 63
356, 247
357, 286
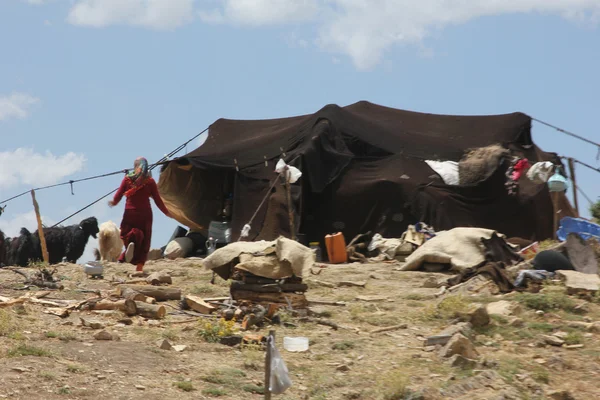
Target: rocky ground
533, 346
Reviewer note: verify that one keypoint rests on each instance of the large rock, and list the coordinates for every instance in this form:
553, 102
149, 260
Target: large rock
461, 345
553, 340
477, 315
504, 308
577, 282
459, 361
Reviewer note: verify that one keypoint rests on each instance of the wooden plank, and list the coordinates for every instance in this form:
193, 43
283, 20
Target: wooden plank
199, 305
36, 207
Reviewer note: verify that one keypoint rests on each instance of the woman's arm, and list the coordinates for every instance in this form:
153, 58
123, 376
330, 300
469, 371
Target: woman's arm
157, 198
119, 194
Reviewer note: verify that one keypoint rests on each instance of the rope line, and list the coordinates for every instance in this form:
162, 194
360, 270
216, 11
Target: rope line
162, 161
566, 132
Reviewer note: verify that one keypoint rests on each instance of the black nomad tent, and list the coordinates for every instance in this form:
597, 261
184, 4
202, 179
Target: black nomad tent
363, 170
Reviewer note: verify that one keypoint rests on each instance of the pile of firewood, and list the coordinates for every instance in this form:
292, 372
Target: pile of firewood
287, 293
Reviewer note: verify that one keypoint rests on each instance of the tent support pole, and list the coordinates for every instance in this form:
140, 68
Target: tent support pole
574, 181
555, 214
288, 192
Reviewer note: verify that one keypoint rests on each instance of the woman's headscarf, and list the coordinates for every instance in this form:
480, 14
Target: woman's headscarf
139, 176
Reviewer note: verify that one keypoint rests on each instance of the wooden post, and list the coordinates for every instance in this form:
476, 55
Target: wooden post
555, 213
574, 182
270, 340
36, 207
288, 191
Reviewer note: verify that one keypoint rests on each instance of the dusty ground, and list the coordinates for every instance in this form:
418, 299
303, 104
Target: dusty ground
45, 357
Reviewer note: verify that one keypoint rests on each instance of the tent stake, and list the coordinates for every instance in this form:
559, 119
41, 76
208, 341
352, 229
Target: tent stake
270, 339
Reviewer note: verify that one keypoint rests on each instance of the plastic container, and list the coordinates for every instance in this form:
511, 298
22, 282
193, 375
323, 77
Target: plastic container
583, 228
316, 248
336, 248
93, 268
531, 250
295, 344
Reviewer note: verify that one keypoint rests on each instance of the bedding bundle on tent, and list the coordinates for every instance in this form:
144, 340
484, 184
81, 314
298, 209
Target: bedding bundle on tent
365, 168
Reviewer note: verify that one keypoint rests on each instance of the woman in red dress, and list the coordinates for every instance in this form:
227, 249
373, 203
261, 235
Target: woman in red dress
136, 226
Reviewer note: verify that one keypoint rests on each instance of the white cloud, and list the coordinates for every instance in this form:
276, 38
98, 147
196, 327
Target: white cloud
12, 226
366, 29
262, 12
157, 14
16, 105
26, 167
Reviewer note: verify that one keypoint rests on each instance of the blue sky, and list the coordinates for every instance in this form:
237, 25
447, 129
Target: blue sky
86, 86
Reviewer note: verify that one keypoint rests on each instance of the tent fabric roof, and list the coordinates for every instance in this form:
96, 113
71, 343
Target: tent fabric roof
413, 134
363, 169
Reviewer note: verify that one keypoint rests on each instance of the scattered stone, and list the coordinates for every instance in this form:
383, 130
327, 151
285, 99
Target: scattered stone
20, 369
580, 325
516, 322
582, 308
233, 340
578, 282
179, 347
429, 349
431, 283
553, 340
371, 298
101, 377
504, 308
164, 344
560, 395
459, 344
104, 335
539, 312
595, 327
343, 368
560, 335
125, 321
140, 387
464, 328
477, 316
498, 337
437, 340
377, 277
459, 361
91, 324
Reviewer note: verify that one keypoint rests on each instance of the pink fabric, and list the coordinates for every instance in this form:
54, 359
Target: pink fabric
519, 168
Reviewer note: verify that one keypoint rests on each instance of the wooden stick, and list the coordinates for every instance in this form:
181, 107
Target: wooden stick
320, 321
288, 192
574, 181
389, 328
271, 339
36, 207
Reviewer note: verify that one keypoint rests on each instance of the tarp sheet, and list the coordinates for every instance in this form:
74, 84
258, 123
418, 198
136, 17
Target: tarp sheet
363, 169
